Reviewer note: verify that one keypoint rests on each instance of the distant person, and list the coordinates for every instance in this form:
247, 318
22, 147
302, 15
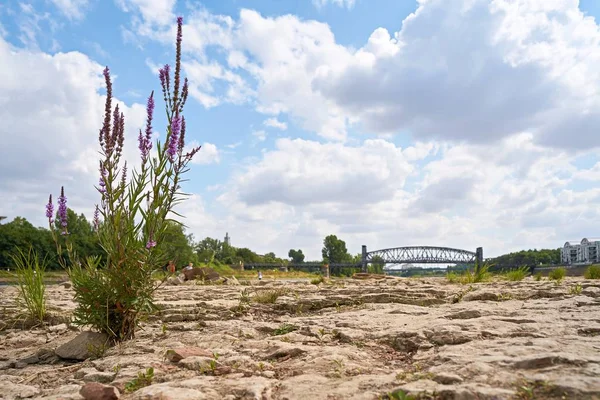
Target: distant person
190, 266
260, 275
171, 267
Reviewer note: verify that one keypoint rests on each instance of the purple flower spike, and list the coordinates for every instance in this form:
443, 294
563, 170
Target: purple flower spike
174, 139
151, 243
50, 209
62, 210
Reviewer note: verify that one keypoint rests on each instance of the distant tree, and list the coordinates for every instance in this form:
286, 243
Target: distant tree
247, 255
334, 250
178, 246
377, 265
296, 255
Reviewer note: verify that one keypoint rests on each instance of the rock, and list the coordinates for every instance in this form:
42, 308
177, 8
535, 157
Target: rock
176, 280
97, 376
164, 392
285, 354
10, 391
67, 285
199, 363
58, 328
176, 355
83, 346
447, 378
447, 336
465, 314
203, 273
79, 374
480, 296
98, 391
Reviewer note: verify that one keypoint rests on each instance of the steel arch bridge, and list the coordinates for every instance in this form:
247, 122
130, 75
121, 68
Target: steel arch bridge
421, 255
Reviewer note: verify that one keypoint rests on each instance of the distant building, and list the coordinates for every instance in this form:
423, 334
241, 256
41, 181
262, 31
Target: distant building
227, 239
588, 251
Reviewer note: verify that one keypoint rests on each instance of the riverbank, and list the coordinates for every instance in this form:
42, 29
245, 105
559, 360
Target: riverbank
346, 339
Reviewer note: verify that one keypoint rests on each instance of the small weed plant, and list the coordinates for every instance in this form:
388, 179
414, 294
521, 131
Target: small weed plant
30, 272
538, 276
268, 296
283, 329
593, 272
136, 208
557, 274
575, 289
517, 274
143, 379
319, 279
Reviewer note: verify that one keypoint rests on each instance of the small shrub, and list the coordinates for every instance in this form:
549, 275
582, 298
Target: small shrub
557, 274
538, 276
140, 381
319, 279
593, 272
30, 272
268, 296
517, 274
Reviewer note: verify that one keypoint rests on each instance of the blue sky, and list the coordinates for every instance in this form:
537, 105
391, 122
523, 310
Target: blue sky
458, 123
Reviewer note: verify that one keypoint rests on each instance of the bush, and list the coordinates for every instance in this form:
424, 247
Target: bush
517, 274
133, 216
538, 276
593, 272
268, 296
557, 274
30, 273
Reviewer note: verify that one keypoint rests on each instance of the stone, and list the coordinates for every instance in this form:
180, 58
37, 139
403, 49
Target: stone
176, 355
447, 378
285, 354
98, 391
164, 392
199, 363
203, 273
465, 314
58, 328
67, 285
79, 374
10, 391
97, 376
83, 346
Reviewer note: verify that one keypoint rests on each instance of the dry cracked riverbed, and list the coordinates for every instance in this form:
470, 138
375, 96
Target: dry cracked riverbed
352, 339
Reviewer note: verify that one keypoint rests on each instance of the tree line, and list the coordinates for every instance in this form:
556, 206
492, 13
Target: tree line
178, 245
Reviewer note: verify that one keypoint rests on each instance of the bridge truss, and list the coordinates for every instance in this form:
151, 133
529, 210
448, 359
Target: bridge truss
420, 255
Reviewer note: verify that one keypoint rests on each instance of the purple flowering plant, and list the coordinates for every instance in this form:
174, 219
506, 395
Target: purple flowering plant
133, 214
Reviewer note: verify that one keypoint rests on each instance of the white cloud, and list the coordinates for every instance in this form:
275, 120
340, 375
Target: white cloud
208, 154
72, 9
153, 12
275, 123
260, 135
340, 3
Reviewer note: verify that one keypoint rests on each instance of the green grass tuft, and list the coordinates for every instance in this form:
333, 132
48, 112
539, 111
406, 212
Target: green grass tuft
268, 296
517, 274
593, 272
538, 276
30, 272
558, 274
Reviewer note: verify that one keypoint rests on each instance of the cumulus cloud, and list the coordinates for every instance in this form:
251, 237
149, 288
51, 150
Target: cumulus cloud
275, 123
72, 9
340, 3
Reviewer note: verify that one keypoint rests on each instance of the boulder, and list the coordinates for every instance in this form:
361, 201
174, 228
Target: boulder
98, 391
83, 346
203, 273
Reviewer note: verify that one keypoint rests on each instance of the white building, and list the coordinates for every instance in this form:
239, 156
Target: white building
588, 251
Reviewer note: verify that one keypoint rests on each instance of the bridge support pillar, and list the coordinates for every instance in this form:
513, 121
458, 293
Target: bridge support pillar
363, 261
478, 258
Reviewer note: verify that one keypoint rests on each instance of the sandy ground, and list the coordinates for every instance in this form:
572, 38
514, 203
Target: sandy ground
348, 339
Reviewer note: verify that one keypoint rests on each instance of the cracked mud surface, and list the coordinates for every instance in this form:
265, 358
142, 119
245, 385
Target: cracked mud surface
351, 339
